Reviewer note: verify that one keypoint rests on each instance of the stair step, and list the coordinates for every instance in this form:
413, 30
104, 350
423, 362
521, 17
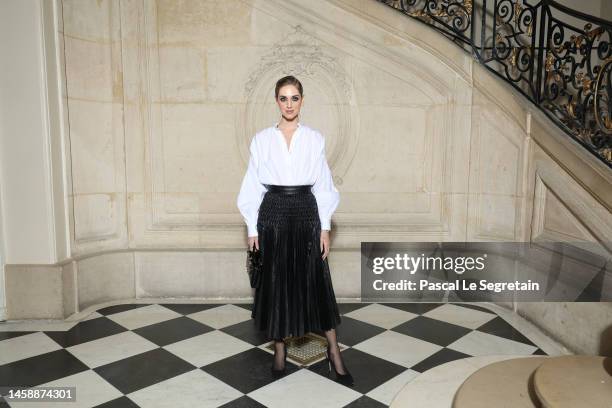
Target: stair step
575, 381
502, 384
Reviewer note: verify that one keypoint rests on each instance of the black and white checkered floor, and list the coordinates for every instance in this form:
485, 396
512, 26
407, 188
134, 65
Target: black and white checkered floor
209, 355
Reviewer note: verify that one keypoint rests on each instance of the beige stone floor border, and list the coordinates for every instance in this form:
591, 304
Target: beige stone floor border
436, 388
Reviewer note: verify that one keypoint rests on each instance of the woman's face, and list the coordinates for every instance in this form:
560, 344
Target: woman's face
289, 101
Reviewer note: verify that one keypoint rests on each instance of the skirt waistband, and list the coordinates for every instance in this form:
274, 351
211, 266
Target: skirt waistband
288, 189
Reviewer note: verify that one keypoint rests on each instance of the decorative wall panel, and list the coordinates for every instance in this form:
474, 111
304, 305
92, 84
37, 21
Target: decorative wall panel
95, 140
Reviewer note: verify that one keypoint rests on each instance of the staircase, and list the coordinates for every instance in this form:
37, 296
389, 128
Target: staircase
558, 58
539, 382
512, 381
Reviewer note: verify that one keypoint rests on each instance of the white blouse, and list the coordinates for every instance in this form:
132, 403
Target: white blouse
272, 162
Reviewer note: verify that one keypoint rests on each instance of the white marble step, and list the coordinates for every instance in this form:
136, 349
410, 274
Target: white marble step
504, 384
575, 381
436, 387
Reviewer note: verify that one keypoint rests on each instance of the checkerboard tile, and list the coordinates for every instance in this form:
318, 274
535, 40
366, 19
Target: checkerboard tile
112, 348
459, 315
28, 345
222, 316
91, 390
40, 369
432, 330
192, 389
246, 331
305, 389
142, 370
367, 370
381, 316
86, 331
353, 331
398, 348
211, 355
501, 328
208, 348
481, 344
143, 316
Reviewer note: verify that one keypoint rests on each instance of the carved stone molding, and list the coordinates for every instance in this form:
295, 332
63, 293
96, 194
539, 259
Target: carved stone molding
562, 210
497, 167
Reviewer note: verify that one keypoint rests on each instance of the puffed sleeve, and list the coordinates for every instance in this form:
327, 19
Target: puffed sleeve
325, 192
251, 192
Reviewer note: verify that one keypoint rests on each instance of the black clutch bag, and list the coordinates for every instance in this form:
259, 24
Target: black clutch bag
254, 266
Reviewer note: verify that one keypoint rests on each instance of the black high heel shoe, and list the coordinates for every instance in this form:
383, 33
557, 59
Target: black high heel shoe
279, 373
344, 379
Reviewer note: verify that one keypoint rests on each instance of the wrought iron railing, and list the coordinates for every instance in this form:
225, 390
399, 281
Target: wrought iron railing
541, 51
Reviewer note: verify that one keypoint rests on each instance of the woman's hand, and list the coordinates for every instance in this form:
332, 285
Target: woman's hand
325, 243
254, 241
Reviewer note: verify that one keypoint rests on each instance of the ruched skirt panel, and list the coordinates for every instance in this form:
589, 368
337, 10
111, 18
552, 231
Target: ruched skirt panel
296, 294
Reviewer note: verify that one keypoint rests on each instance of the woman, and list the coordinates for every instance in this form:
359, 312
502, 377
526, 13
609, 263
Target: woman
287, 198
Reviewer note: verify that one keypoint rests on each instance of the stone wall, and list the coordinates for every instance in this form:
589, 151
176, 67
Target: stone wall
161, 101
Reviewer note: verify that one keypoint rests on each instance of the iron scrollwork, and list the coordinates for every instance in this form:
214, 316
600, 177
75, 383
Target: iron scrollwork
444, 15
563, 69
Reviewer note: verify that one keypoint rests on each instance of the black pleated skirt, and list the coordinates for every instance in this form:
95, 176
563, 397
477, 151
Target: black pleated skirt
295, 295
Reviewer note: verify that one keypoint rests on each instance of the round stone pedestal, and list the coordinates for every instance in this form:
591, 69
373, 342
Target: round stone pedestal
502, 384
575, 381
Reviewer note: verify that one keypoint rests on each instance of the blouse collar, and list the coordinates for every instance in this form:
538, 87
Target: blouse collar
276, 125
